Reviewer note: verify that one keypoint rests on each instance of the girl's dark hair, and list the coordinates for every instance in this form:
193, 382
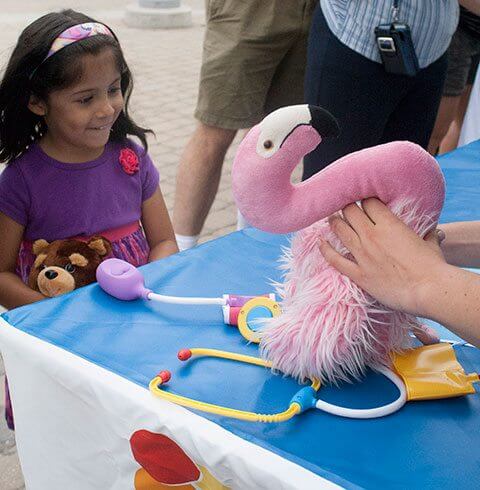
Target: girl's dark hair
26, 74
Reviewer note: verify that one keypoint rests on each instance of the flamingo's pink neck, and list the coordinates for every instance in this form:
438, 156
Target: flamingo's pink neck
391, 172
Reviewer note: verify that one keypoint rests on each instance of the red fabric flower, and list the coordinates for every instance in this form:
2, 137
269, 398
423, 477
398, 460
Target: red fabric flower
128, 160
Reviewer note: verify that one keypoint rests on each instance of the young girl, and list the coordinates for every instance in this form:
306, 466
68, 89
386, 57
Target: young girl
71, 169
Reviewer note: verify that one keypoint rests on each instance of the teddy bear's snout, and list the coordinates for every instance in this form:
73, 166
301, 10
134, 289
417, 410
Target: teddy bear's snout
51, 274
54, 280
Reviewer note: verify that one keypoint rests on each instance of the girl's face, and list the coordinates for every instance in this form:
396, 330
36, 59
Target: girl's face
79, 117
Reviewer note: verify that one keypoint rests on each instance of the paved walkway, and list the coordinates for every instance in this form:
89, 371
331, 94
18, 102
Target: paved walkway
165, 64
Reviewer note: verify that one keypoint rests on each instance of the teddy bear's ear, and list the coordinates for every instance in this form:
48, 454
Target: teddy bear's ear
78, 259
39, 260
39, 246
100, 245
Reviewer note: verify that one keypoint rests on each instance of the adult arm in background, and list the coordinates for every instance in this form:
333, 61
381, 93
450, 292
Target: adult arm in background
404, 271
472, 5
461, 246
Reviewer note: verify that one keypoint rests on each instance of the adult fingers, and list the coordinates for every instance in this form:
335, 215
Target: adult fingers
345, 233
435, 238
441, 235
356, 217
426, 335
339, 262
377, 211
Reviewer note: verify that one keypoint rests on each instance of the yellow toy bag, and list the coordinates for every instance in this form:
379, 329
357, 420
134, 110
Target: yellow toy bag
432, 372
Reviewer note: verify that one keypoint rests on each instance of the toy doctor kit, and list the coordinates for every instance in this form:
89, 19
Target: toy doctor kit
125, 282
427, 372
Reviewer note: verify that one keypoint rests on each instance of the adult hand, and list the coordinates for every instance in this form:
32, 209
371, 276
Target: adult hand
392, 263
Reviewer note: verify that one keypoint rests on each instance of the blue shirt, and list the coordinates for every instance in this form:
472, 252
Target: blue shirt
432, 23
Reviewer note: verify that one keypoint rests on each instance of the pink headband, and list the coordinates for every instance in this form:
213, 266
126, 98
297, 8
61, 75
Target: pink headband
77, 33
72, 35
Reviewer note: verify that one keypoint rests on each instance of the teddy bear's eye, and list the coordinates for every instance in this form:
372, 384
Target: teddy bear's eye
69, 268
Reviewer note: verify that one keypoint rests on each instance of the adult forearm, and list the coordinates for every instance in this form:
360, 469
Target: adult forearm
13, 292
163, 249
452, 298
472, 5
461, 246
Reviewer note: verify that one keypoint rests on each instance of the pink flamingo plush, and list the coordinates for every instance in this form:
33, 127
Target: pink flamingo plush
329, 327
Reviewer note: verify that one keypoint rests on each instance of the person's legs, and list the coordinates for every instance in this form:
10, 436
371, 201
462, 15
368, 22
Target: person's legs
198, 178
450, 141
8, 408
287, 85
414, 117
244, 45
459, 63
446, 111
355, 90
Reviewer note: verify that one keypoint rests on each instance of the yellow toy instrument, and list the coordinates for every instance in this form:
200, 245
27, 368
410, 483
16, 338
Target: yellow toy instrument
432, 371
424, 373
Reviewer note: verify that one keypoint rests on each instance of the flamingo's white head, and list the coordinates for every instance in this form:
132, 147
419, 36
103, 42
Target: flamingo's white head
267, 157
290, 123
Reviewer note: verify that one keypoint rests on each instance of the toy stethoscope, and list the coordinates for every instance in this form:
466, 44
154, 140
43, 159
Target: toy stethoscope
303, 400
123, 281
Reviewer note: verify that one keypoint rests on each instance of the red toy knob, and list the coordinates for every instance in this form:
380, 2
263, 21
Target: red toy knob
184, 354
164, 376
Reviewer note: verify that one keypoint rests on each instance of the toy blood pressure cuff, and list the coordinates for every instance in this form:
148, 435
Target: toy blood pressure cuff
432, 371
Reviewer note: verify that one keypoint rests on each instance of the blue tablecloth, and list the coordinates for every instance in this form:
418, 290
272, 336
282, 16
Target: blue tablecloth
426, 445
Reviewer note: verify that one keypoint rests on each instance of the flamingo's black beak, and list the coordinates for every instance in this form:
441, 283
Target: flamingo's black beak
325, 124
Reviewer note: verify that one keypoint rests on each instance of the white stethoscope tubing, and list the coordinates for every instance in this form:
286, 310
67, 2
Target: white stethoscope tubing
369, 413
186, 301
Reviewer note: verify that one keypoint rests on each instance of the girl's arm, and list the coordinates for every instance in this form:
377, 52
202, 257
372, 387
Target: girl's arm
158, 227
403, 271
461, 246
13, 292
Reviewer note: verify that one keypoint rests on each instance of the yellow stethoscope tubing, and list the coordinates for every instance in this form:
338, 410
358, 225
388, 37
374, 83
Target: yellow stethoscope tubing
291, 411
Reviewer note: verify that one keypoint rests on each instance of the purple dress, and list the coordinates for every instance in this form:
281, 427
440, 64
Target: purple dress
55, 200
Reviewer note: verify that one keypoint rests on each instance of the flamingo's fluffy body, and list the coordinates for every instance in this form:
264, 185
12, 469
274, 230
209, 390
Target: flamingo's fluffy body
329, 327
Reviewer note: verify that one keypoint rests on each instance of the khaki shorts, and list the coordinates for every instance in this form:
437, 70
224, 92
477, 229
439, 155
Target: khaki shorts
254, 58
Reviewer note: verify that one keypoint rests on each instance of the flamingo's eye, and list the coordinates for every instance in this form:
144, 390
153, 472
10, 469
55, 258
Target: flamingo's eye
268, 144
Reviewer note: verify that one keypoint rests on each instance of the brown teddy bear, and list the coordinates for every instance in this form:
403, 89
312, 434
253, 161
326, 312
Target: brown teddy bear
63, 265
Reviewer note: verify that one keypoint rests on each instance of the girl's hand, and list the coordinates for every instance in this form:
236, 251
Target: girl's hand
392, 263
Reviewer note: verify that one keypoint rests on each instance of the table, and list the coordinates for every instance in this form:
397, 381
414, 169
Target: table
79, 367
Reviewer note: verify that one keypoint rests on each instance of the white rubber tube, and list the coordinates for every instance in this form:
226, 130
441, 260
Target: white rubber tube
186, 301
369, 413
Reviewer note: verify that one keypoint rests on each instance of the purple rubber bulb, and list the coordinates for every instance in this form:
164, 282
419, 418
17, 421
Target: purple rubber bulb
121, 280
